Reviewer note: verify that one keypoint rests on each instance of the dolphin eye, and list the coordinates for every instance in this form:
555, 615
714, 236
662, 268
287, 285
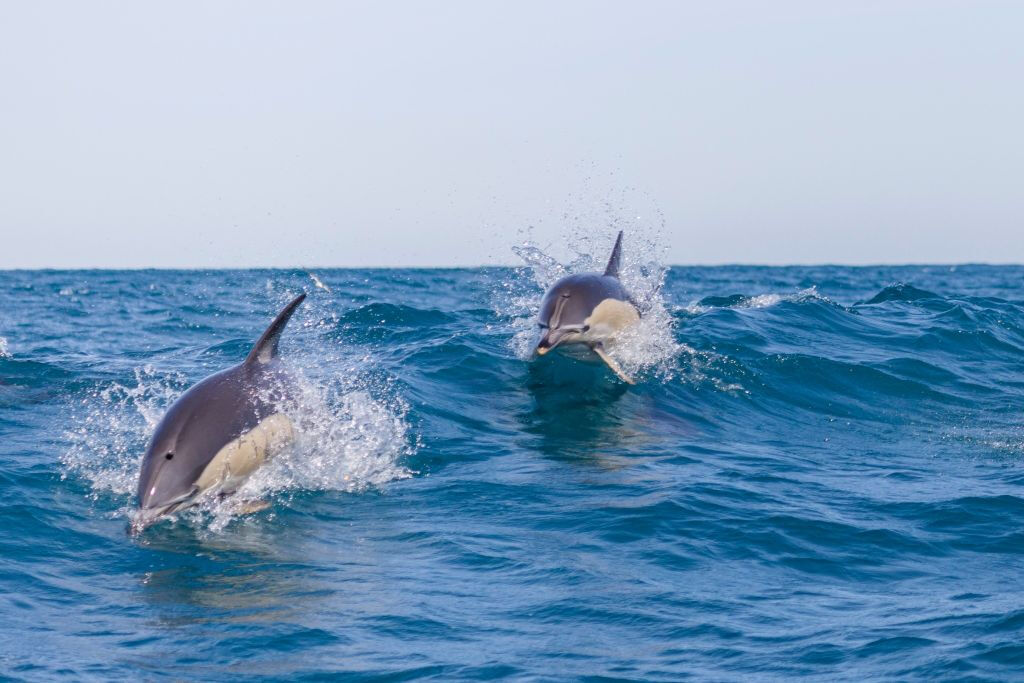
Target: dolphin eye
542, 326
169, 456
586, 328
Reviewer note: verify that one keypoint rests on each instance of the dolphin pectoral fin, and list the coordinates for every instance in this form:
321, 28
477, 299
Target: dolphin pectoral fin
612, 364
244, 506
250, 507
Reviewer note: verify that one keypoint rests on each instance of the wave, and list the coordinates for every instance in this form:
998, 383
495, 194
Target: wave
900, 291
756, 301
803, 483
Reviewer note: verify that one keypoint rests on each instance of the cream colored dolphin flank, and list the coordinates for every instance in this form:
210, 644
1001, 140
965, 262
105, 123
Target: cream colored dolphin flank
588, 309
219, 431
237, 460
610, 317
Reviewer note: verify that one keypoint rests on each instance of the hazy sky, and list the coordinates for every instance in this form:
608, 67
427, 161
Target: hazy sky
333, 133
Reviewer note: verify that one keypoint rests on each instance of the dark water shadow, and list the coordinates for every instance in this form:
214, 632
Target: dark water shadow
254, 570
580, 411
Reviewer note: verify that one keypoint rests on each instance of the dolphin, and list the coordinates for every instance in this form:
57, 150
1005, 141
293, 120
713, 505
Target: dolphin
588, 310
218, 432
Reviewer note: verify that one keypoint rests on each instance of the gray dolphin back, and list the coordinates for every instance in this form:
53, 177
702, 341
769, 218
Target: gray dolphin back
612, 269
571, 300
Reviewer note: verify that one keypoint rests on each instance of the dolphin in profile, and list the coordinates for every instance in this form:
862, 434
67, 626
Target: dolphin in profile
218, 432
587, 310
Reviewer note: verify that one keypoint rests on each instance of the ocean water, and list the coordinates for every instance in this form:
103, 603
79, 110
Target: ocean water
818, 474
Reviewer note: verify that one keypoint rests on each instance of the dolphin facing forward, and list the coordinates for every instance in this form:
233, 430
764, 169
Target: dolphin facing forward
588, 309
218, 432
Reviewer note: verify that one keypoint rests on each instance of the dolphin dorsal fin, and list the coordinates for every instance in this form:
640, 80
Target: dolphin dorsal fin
265, 349
612, 268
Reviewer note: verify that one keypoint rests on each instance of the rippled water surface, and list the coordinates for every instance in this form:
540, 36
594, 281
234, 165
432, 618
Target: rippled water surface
819, 473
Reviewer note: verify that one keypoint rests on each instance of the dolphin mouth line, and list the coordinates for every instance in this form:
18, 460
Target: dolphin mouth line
541, 350
564, 341
147, 516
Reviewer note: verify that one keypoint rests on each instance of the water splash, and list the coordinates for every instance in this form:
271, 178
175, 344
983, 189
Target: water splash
318, 282
111, 426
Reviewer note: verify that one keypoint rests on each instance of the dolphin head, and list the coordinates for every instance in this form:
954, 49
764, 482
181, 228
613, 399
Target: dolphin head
567, 312
564, 312
202, 421
170, 468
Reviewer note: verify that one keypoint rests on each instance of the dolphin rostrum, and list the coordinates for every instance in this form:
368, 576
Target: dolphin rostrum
588, 309
219, 431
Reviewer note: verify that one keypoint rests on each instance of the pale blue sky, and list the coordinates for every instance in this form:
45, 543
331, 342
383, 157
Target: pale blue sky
378, 133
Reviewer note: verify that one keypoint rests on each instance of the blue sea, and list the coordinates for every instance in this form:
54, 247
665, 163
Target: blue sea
819, 473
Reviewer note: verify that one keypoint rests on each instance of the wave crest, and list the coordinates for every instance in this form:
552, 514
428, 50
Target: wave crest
758, 301
900, 291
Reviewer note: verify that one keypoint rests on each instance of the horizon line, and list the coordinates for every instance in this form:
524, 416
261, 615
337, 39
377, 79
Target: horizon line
922, 264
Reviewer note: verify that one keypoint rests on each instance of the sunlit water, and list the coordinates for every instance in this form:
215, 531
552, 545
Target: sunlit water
818, 473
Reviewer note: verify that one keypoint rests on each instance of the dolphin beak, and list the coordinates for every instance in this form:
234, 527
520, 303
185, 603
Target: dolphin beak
550, 340
148, 515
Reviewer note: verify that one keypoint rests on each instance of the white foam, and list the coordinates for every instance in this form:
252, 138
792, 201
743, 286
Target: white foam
4, 352
111, 426
766, 300
763, 301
